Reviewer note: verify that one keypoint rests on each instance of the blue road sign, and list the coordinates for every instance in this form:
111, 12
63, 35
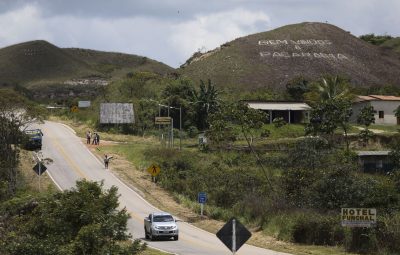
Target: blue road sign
202, 197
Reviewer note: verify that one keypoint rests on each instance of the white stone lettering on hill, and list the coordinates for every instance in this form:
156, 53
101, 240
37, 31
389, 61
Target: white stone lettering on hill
286, 49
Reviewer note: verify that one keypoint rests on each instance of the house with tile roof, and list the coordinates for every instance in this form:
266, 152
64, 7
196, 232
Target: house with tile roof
383, 105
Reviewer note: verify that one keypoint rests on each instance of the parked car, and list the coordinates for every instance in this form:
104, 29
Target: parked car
34, 139
160, 224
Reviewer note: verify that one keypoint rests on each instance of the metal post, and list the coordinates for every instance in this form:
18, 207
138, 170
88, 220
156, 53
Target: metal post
180, 128
40, 172
201, 209
172, 133
233, 236
159, 126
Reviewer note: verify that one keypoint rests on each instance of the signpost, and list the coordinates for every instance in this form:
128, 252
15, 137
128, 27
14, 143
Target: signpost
39, 168
202, 198
84, 104
163, 120
233, 234
154, 170
358, 217
74, 109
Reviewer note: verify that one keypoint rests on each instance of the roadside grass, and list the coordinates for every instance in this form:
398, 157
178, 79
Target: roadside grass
150, 251
30, 179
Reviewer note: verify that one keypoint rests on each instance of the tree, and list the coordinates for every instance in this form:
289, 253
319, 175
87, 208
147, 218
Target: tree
205, 101
328, 115
333, 87
366, 118
297, 87
83, 220
16, 114
375, 39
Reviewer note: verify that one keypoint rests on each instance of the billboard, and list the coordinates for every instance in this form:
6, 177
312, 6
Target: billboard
83, 104
358, 217
116, 113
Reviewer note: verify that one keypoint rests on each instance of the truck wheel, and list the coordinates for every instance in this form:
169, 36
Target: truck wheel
176, 238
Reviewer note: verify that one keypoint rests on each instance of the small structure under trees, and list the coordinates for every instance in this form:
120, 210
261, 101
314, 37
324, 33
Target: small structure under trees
291, 112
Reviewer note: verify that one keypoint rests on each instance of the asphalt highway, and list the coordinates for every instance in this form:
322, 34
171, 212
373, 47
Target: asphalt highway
73, 161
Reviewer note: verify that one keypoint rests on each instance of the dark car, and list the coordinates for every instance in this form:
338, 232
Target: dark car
33, 139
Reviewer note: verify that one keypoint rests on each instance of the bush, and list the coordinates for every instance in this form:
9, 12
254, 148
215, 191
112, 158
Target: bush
192, 131
279, 122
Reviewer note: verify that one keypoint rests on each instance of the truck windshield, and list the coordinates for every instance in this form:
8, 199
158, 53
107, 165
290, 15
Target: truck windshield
163, 218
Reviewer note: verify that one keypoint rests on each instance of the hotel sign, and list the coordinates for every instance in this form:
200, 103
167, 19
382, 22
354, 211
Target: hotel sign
358, 217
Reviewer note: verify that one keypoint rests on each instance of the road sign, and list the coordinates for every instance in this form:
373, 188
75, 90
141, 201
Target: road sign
358, 217
74, 108
162, 120
233, 234
154, 170
84, 104
202, 197
42, 169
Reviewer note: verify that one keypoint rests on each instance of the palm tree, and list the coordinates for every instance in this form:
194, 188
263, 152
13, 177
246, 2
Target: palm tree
205, 101
333, 88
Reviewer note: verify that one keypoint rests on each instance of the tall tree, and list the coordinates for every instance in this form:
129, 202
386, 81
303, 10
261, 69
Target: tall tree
16, 114
366, 118
205, 101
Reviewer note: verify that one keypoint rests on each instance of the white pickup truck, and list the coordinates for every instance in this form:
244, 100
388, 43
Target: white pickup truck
160, 225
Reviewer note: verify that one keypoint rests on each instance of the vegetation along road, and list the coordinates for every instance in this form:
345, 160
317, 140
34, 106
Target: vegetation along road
73, 161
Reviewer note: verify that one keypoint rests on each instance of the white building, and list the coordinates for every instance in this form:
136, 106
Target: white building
383, 105
291, 112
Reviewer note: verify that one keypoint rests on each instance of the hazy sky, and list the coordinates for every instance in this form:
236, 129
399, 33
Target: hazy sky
172, 30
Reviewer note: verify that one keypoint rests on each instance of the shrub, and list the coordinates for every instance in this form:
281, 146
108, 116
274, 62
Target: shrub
279, 122
192, 131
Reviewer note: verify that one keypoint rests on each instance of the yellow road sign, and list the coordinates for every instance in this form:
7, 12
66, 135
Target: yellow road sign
74, 108
154, 170
162, 120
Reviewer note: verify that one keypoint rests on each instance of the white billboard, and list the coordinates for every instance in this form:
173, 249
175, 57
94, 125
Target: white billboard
116, 113
83, 104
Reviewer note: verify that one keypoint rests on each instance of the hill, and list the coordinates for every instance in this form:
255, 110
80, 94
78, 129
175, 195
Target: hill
271, 59
116, 64
32, 61
393, 44
39, 63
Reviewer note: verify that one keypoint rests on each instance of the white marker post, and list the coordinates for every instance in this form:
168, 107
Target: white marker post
233, 236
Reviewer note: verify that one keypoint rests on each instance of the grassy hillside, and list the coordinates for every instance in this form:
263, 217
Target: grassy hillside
271, 59
39, 60
393, 44
117, 64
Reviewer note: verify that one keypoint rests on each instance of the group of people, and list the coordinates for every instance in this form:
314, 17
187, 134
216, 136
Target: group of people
92, 136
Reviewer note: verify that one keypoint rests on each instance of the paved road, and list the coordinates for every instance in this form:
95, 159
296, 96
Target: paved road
73, 161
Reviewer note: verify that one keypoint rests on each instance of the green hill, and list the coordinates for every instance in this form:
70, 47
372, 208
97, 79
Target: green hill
115, 64
271, 59
39, 63
29, 62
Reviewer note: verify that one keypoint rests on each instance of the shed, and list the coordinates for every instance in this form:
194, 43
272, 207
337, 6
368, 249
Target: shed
291, 112
374, 161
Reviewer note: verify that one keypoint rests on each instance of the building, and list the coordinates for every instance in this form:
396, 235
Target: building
291, 112
383, 105
374, 161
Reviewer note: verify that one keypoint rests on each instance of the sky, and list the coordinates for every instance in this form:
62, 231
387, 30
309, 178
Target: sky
170, 31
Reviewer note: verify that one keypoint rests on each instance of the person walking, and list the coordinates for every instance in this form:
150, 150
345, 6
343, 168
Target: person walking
88, 136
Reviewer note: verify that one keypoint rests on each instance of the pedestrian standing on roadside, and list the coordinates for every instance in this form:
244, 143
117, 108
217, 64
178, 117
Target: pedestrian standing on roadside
88, 136
94, 138
106, 160
97, 139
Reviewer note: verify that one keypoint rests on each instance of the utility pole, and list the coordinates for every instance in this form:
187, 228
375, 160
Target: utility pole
180, 127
